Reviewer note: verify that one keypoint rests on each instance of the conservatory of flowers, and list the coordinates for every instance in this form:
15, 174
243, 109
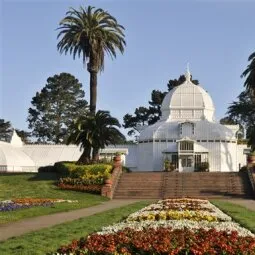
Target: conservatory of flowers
187, 137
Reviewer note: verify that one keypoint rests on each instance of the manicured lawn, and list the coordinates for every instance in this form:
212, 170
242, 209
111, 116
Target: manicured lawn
48, 240
239, 213
40, 186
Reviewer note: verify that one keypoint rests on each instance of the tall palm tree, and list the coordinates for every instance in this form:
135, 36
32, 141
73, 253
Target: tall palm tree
91, 33
250, 73
95, 132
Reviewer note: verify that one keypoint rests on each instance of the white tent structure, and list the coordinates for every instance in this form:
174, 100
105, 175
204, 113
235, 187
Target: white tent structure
12, 157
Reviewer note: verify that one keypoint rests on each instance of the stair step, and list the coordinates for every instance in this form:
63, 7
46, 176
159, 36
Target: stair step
161, 184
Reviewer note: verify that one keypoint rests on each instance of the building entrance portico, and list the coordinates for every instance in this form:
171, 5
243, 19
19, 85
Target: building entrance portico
188, 155
186, 163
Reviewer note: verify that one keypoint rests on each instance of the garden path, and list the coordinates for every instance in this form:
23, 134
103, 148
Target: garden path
248, 203
32, 224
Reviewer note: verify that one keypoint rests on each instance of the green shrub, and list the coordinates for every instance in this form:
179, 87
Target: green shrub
83, 174
61, 168
126, 169
202, 167
243, 169
77, 171
46, 169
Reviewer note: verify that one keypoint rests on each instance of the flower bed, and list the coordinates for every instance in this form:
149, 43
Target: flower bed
86, 178
172, 226
23, 203
94, 189
172, 209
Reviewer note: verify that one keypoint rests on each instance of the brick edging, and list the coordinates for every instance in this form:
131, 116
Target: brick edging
109, 188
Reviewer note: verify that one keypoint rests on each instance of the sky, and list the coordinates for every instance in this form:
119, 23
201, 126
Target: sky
215, 37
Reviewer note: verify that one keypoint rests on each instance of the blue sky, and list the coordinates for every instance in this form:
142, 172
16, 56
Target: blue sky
215, 37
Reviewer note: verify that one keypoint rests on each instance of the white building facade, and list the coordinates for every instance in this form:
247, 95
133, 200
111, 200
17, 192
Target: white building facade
186, 136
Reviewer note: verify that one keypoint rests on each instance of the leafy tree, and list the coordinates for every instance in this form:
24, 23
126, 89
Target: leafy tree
227, 121
242, 111
249, 73
174, 83
131, 122
251, 136
5, 130
54, 107
95, 132
148, 116
140, 118
157, 97
230, 121
24, 135
91, 33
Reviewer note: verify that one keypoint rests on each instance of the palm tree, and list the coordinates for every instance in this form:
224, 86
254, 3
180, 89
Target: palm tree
80, 136
95, 132
91, 33
250, 73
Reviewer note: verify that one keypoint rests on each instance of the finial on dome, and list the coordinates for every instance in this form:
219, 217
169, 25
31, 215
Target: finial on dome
188, 75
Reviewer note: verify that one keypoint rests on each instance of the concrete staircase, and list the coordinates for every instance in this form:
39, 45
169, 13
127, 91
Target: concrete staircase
154, 185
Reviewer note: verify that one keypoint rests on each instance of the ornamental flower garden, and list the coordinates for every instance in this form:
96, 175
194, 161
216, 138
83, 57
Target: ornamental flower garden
172, 226
86, 178
23, 203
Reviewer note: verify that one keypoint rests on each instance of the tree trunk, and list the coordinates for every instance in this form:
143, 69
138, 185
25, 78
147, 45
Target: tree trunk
95, 155
93, 92
85, 156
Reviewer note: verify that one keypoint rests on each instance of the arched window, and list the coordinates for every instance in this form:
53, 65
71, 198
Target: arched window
187, 129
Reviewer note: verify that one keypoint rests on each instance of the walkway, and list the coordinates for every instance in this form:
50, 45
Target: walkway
32, 224
248, 203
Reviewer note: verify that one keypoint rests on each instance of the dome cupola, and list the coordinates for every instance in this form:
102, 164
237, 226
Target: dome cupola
187, 102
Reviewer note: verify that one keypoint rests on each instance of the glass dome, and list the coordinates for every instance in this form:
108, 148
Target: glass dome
187, 101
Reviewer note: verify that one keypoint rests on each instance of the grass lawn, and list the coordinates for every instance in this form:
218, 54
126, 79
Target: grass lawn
240, 214
40, 185
48, 240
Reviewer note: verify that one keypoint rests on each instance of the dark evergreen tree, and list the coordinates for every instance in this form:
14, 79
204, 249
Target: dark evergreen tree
228, 121
157, 97
140, 118
249, 73
242, 111
5, 130
54, 108
24, 135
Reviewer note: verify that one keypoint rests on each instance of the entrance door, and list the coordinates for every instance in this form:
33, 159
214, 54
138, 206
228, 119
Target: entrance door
187, 163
